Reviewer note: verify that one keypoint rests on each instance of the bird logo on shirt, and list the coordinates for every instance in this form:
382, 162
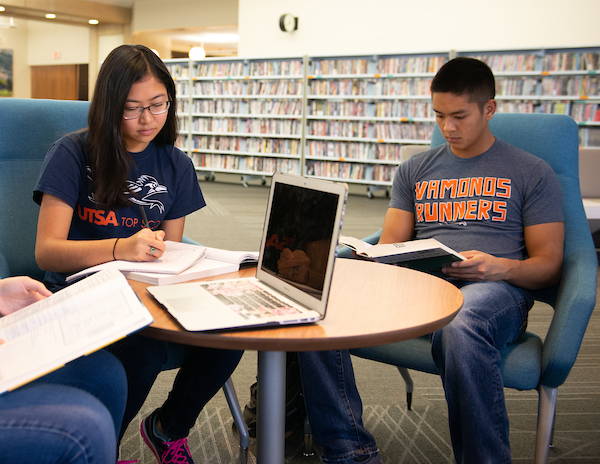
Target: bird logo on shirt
144, 189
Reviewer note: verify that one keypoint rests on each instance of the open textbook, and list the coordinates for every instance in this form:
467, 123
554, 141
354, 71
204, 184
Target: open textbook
177, 258
216, 262
75, 321
428, 255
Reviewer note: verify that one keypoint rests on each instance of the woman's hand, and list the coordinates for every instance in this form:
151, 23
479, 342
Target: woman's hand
294, 265
145, 245
18, 292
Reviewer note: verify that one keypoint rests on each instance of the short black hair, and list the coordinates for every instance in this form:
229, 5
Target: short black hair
466, 76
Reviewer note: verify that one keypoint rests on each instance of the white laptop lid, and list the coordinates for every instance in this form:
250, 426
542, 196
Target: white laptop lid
304, 218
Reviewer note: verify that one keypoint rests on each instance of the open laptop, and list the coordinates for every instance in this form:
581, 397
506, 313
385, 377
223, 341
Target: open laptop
295, 265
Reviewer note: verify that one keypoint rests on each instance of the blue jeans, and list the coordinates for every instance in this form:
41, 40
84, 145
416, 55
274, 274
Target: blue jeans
203, 371
334, 407
72, 415
466, 352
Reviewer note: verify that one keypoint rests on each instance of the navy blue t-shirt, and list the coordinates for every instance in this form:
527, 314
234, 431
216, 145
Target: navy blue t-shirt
162, 179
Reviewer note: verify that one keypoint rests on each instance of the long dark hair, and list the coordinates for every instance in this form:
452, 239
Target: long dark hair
107, 156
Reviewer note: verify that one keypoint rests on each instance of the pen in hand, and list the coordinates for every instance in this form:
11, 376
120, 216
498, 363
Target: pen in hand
144, 217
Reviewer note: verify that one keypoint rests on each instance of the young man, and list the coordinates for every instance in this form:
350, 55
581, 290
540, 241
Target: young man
501, 208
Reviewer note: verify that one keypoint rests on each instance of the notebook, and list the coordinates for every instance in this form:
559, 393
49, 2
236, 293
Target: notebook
294, 271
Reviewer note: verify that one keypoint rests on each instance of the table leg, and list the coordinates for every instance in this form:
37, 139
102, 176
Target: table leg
270, 431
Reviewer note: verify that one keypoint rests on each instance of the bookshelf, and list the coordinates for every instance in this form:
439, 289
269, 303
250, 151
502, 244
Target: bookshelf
180, 72
245, 116
561, 81
348, 117
361, 110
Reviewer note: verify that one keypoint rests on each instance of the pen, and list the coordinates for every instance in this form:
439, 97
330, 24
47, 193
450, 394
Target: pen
144, 217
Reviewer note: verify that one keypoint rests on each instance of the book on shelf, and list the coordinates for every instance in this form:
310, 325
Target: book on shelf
215, 263
428, 255
74, 322
176, 259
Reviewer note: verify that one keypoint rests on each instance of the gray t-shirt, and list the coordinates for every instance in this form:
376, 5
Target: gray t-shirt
480, 203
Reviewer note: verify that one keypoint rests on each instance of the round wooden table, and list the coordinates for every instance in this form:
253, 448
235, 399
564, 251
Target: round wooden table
369, 304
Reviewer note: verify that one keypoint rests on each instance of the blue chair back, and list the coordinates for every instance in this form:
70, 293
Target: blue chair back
555, 139
28, 127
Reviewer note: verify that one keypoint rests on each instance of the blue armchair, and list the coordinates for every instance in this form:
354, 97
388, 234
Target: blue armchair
28, 127
532, 363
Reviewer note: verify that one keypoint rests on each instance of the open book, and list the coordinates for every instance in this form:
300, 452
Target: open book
176, 259
75, 321
216, 262
428, 255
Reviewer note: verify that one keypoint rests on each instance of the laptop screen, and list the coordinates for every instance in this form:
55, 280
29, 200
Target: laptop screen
301, 225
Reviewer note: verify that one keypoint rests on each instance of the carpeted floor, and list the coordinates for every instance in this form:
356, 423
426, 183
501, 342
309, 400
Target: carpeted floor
233, 220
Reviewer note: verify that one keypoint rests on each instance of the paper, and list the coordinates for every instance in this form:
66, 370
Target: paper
176, 258
73, 322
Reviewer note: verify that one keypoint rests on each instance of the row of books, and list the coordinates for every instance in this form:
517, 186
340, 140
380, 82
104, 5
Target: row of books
289, 107
184, 124
182, 142
377, 130
269, 87
247, 145
558, 86
383, 65
351, 171
529, 62
182, 88
178, 70
254, 126
246, 163
252, 68
354, 150
391, 86
410, 64
340, 66
379, 108
589, 137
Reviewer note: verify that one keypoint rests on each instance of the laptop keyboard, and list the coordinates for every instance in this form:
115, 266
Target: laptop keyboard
248, 299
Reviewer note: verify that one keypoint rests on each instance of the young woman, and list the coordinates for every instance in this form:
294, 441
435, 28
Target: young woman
71, 415
91, 188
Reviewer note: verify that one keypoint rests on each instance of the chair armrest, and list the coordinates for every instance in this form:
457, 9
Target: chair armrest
189, 241
4, 269
572, 310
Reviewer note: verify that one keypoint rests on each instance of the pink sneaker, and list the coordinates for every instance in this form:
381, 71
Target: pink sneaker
171, 452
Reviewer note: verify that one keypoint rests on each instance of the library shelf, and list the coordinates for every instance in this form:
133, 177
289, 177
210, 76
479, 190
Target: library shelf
347, 117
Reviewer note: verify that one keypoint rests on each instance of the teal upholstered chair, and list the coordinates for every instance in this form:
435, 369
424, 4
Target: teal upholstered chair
532, 363
28, 127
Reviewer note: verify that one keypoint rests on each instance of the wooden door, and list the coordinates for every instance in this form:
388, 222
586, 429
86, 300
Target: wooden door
60, 82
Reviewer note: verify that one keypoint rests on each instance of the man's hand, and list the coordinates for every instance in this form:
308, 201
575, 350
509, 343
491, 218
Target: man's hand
479, 267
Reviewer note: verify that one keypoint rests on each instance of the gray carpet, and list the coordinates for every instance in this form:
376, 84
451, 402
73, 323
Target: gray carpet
233, 220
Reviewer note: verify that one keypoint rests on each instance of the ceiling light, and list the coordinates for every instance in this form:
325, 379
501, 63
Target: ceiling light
50, 16
197, 53
93, 21
2, 8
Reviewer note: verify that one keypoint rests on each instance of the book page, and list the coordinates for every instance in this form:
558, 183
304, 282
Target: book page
76, 321
176, 258
231, 256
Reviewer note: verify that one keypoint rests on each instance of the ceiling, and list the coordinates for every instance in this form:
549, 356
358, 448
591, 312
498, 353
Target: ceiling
221, 40
217, 40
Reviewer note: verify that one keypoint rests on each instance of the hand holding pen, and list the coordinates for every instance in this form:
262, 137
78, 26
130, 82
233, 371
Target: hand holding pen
145, 245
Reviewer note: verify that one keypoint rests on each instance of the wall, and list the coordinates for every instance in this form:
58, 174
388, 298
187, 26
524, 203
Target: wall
328, 27
50, 43
16, 40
